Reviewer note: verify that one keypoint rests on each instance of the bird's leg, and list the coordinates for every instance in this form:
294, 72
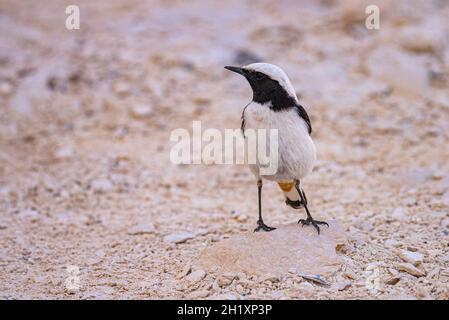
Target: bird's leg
309, 219
260, 224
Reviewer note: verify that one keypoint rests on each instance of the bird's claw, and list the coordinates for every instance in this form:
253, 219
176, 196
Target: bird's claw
261, 226
315, 223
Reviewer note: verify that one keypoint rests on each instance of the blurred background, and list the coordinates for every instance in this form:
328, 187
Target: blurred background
86, 115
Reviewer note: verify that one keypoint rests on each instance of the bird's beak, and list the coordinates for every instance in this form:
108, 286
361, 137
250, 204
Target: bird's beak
236, 70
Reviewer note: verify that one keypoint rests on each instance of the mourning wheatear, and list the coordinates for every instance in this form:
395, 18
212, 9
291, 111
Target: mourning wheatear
276, 106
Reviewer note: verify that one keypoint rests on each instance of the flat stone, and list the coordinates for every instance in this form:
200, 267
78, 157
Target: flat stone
142, 229
290, 247
414, 258
179, 237
196, 276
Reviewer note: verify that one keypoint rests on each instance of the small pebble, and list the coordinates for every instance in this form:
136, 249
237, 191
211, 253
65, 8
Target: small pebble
195, 276
410, 269
141, 110
142, 229
30, 215
101, 185
414, 258
179, 237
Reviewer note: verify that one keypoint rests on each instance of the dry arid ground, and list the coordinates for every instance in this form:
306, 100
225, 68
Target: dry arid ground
91, 206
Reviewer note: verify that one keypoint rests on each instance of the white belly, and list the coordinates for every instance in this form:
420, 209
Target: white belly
297, 152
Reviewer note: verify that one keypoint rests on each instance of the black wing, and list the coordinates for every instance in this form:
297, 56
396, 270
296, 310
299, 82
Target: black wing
242, 126
303, 114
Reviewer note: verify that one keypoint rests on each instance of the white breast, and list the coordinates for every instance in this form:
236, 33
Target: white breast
297, 152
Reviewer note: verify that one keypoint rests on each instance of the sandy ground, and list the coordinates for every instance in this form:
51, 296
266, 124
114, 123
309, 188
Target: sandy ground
88, 194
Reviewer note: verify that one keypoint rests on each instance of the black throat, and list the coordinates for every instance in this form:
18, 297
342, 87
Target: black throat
267, 90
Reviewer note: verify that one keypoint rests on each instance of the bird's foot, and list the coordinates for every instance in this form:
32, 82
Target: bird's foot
263, 227
311, 221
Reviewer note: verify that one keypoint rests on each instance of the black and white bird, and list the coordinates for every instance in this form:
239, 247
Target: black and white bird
276, 106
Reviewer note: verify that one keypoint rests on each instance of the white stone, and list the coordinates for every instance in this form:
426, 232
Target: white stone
179, 237
65, 152
142, 229
414, 258
196, 276
101, 185
141, 110
400, 214
392, 243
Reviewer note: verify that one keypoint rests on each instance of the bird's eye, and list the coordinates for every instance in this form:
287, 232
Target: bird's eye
260, 76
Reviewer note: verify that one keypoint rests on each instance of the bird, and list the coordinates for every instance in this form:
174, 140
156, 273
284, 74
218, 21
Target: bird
275, 105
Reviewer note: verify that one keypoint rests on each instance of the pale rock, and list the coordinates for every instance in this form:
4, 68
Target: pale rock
5, 88
400, 214
415, 176
141, 110
242, 218
392, 243
343, 285
29, 215
414, 258
410, 202
201, 232
276, 252
100, 253
195, 276
410, 269
363, 224
63, 153
101, 185
179, 237
142, 229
